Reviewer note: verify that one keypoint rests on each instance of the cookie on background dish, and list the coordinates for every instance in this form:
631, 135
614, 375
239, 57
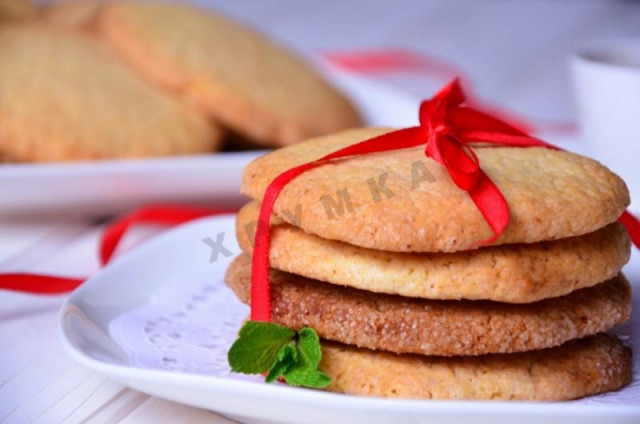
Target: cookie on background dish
252, 86
66, 97
15, 10
72, 13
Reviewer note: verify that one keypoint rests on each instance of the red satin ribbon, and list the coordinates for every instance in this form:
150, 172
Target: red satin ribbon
163, 215
632, 224
447, 127
391, 60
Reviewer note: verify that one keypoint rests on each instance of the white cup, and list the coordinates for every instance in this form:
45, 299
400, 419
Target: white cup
606, 81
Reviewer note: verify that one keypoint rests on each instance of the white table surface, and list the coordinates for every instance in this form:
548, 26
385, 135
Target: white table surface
515, 53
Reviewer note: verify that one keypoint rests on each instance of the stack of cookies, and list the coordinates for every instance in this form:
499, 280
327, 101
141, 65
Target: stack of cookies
379, 254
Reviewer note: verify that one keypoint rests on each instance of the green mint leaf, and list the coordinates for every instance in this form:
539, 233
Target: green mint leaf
309, 346
308, 378
304, 372
287, 356
257, 347
270, 348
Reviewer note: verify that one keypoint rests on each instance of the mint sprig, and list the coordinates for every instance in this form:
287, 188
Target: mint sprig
264, 347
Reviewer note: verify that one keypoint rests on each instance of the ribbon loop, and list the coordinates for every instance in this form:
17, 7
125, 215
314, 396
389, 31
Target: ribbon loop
444, 143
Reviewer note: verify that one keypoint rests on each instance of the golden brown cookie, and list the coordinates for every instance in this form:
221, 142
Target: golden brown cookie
435, 327
67, 97
520, 273
12, 10
251, 85
73, 13
403, 201
576, 369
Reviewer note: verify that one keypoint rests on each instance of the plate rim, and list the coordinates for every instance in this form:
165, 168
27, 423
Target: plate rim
118, 165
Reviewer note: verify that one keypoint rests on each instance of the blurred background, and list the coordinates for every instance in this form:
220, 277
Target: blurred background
516, 52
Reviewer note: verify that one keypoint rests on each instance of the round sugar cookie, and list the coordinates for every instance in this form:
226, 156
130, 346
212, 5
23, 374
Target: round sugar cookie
79, 14
579, 368
67, 97
249, 84
435, 327
519, 273
15, 10
403, 201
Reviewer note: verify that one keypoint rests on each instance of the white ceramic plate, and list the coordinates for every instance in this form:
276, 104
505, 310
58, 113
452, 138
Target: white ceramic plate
106, 187
160, 320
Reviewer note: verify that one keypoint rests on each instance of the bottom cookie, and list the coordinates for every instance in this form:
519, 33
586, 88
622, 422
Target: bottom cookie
576, 369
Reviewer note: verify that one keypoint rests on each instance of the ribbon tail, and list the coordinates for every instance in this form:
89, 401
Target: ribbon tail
163, 215
492, 205
38, 284
50, 284
632, 224
260, 292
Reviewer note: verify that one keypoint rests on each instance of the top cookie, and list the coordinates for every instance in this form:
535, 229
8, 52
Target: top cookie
403, 201
65, 96
253, 86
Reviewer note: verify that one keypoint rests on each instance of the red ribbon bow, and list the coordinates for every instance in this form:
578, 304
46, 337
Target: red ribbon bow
447, 127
